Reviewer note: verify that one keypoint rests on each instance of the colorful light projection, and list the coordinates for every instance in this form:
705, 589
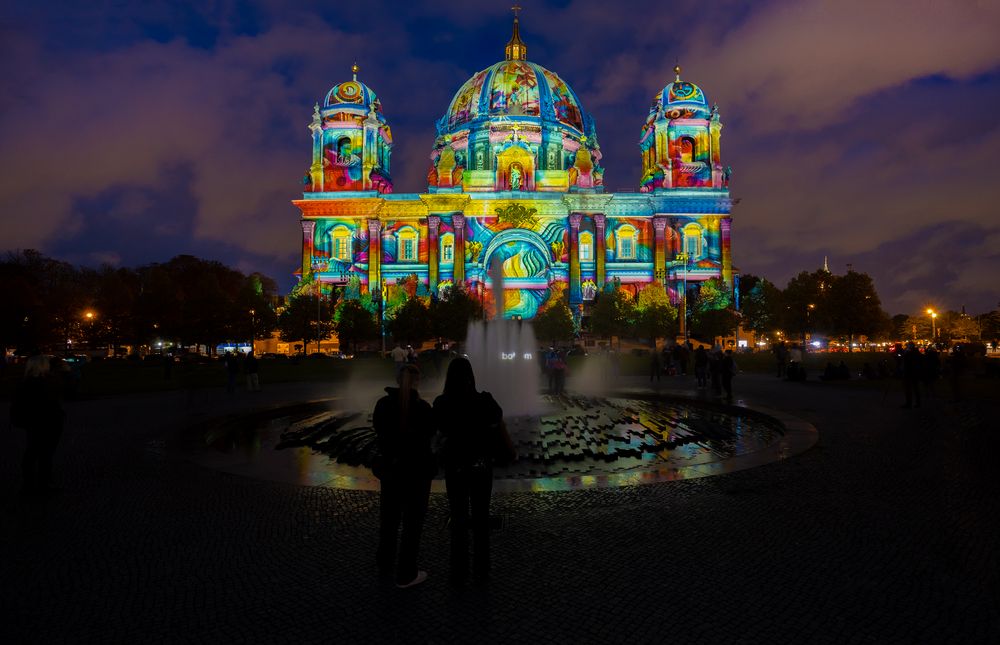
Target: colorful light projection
515, 177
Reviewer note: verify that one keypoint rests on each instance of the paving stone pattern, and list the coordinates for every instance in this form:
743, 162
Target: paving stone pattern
885, 532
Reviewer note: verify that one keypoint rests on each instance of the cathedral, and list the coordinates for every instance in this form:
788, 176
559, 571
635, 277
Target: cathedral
515, 184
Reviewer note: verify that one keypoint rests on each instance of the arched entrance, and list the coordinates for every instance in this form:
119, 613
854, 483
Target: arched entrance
525, 259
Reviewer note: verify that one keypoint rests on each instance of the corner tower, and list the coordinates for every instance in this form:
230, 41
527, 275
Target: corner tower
680, 140
351, 141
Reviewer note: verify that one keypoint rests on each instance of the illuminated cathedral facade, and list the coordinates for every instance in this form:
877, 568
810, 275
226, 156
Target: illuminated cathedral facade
515, 181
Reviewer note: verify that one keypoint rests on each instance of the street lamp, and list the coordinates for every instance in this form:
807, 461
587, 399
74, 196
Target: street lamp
683, 257
933, 315
809, 308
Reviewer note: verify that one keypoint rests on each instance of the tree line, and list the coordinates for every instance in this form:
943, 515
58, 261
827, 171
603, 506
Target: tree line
52, 305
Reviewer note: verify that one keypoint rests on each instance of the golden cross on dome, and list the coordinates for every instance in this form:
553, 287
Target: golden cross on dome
515, 9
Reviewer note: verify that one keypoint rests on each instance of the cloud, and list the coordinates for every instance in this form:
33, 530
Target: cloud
854, 128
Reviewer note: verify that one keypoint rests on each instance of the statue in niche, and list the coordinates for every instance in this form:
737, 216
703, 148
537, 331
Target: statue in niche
551, 163
479, 159
515, 177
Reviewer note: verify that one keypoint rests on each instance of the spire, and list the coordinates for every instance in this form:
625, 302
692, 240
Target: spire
826, 265
677, 73
516, 49
354, 70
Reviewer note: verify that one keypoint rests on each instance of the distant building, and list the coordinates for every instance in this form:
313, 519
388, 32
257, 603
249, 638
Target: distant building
515, 181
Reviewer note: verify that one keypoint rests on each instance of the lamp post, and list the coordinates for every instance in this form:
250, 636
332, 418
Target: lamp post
684, 297
933, 315
809, 308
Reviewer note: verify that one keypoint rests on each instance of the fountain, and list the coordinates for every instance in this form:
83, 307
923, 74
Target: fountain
563, 441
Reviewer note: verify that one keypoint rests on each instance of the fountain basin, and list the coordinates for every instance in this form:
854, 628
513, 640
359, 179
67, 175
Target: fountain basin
575, 442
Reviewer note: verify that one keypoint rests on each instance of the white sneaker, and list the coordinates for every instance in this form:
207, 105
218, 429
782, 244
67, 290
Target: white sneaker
421, 576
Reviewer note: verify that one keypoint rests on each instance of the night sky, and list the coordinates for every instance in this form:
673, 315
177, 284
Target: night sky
863, 130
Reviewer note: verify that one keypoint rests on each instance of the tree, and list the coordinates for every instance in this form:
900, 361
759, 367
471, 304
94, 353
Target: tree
354, 324
554, 323
656, 321
760, 304
411, 322
712, 313
298, 320
805, 302
854, 306
651, 294
613, 313
450, 314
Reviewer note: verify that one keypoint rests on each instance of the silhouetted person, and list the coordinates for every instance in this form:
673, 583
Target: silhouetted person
932, 369
251, 366
830, 373
958, 364
781, 358
232, 364
685, 357
404, 425
398, 358
715, 369
701, 366
655, 366
911, 375
843, 371
727, 370
36, 408
168, 367
467, 420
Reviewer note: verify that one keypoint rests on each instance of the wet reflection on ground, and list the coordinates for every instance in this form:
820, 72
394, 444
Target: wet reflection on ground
579, 442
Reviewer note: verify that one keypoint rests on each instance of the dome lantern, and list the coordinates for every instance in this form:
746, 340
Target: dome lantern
516, 49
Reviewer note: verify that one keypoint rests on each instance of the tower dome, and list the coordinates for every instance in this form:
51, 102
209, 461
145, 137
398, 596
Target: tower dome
681, 100
680, 140
351, 96
515, 126
352, 142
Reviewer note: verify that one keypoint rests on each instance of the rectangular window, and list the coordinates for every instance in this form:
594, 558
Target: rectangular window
408, 250
340, 248
586, 253
628, 247
448, 254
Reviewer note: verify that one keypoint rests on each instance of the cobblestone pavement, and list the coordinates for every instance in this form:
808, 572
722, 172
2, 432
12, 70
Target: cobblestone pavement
885, 532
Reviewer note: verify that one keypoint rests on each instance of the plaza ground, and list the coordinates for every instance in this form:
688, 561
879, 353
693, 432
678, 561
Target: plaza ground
886, 531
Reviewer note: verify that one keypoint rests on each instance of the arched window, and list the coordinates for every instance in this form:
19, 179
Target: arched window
408, 240
626, 235
686, 145
448, 248
692, 240
586, 246
341, 238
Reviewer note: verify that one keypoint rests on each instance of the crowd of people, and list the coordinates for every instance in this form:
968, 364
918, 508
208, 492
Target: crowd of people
713, 368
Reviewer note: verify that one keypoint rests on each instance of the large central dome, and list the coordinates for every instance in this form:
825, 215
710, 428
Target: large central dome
514, 88
515, 126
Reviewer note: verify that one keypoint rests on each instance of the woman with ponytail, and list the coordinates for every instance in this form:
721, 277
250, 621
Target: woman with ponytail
470, 421
405, 466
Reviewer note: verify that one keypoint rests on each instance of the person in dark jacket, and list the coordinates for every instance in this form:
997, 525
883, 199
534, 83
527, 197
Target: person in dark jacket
405, 465
467, 421
912, 360
36, 408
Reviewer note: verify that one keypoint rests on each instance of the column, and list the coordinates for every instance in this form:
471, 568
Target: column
308, 230
458, 223
659, 249
599, 252
727, 257
433, 226
375, 257
575, 292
